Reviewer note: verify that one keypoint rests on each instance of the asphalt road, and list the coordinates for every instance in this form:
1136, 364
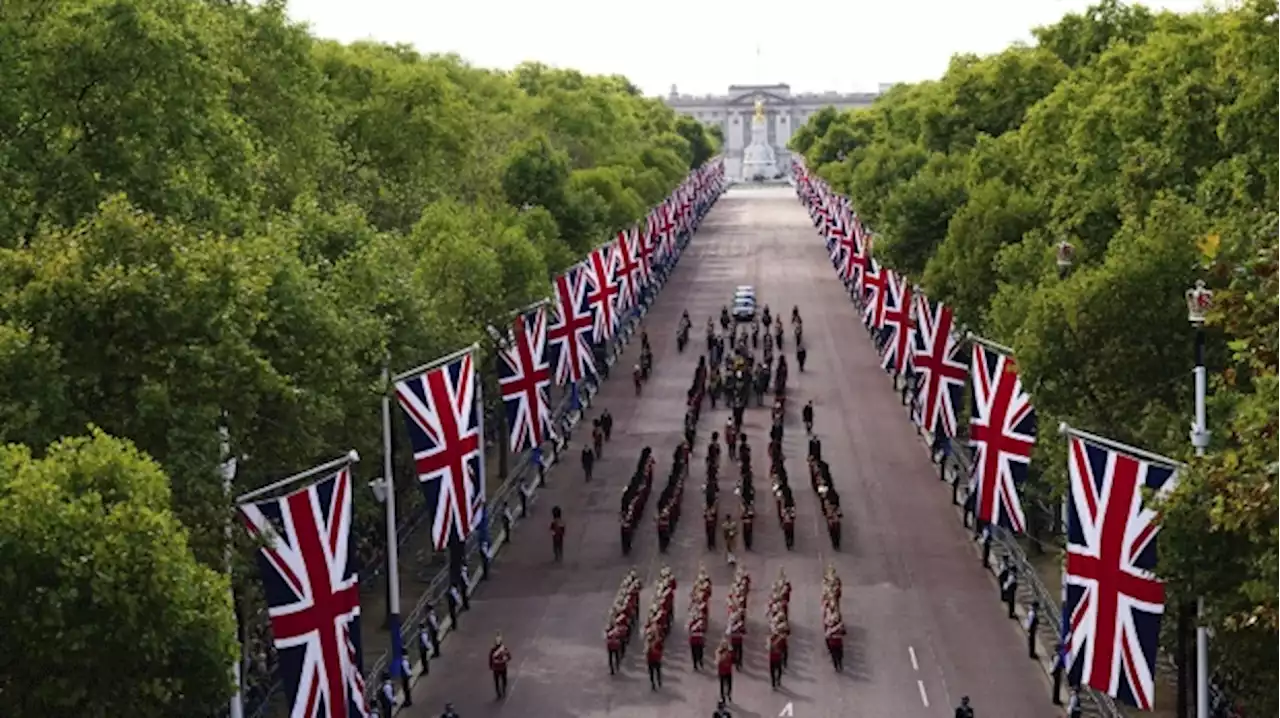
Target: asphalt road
925, 625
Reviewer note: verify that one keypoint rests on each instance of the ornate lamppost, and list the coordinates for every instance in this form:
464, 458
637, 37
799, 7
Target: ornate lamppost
1199, 302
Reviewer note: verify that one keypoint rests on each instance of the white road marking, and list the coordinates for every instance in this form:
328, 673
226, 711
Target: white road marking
914, 663
924, 697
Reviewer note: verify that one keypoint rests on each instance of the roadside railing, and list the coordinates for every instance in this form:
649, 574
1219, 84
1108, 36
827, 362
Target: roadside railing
520, 486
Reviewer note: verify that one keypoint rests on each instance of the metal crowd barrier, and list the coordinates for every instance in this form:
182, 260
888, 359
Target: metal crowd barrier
523, 478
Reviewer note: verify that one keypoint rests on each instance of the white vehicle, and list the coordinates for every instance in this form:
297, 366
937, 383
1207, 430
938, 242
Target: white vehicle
744, 303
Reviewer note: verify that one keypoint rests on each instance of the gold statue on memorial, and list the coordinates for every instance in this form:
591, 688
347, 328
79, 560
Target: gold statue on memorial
759, 107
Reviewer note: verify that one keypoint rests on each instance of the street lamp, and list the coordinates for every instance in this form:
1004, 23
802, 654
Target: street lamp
1066, 255
1199, 302
379, 488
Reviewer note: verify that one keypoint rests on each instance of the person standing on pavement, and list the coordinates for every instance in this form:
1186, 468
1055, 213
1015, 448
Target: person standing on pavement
386, 695
424, 647
986, 546
964, 710
1010, 587
499, 658
406, 676
1059, 667
433, 630
1032, 625
1074, 709
557, 534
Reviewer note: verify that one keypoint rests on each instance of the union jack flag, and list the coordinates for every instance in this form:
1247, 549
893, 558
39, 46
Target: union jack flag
668, 228
602, 292
936, 358
1002, 432
874, 289
524, 375
312, 590
569, 336
898, 324
1114, 600
441, 407
630, 274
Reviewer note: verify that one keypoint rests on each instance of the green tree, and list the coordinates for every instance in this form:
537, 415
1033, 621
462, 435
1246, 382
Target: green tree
95, 566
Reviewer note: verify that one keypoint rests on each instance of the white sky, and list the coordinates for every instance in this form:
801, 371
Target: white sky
703, 46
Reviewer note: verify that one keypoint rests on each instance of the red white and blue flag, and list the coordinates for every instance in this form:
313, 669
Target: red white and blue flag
569, 335
874, 289
630, 273
937, 361
524, 376
602, 292
441, 407
1114, 601
898, 325
308, 569
1002, 432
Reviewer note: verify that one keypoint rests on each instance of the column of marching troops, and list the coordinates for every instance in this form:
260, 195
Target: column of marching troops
744, 376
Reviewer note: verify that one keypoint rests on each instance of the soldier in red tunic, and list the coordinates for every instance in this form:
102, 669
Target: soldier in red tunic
654, 656
724, 668
499, 657
775, 660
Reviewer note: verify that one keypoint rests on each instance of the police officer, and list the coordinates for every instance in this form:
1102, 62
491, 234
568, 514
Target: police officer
664, 528
424, 647
406, 677
386, 695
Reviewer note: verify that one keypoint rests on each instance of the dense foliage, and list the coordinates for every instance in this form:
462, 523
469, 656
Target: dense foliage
207, 215
1149, 143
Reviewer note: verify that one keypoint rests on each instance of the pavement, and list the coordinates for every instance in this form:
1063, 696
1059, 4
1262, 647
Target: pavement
925, 625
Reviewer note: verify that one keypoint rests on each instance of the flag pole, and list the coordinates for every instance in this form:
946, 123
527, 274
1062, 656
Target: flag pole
393, 544
1067, 430
432, 365
988, 343
228, 468
347, 459
483, 523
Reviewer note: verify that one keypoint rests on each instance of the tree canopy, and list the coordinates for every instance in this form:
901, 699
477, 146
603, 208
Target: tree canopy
208, 215
1149, 143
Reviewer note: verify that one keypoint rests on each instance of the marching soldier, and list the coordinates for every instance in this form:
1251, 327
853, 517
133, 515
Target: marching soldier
730, 530
613, 644
730, 439
499, 657
557, 534
801, 355
833, 524
606, 424
709, 518
835, 632
697, 637
664, 529
807, 415
653, 655
724, 668
748, 523
625, 527
775, 660
588, 461
789, 524
737, 633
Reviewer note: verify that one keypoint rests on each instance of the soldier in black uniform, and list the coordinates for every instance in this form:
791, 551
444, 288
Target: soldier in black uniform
748, 523
806, 414
606, 424
588, 461
815, 448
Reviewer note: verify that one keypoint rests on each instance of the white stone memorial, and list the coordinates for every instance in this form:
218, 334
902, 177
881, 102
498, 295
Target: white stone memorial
758, 160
